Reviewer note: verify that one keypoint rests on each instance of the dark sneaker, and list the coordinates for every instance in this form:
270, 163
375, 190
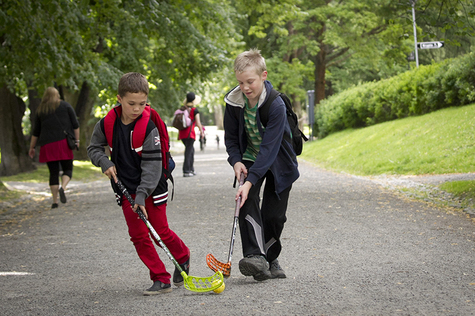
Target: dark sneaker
276, 270
62, 196
158, 288
54, 205
177, 277
255, 266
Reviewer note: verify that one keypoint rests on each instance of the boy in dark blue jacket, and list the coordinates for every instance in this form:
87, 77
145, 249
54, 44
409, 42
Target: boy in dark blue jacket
260, 153
139, 167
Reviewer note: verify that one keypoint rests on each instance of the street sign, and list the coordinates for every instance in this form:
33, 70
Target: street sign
430, 45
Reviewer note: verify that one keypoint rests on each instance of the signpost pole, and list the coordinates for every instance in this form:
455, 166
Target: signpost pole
311, 110
415, 32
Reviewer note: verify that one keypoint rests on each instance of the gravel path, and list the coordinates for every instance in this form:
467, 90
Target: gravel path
351, 247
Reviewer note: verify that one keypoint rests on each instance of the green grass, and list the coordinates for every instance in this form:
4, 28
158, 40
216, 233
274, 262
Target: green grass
464, 189
6, 195
83, 171
436, 143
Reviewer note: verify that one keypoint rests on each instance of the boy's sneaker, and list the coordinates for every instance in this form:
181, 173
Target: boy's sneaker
62, 196
177, 277
276, 270
255, 266
158, 288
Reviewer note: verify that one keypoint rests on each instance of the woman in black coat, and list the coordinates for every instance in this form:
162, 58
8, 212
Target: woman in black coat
53, 118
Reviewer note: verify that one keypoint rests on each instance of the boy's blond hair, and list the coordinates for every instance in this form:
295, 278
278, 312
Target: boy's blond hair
133, 82
250, 58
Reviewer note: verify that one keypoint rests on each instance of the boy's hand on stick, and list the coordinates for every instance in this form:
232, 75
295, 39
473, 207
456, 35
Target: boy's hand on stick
144, 211
239, 168
243, 192
111, 173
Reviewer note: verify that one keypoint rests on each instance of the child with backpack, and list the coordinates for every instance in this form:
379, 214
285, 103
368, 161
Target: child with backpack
261, 152
187, 134
138, 142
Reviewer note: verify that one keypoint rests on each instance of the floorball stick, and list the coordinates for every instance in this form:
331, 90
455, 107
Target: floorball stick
212, 262
192, 283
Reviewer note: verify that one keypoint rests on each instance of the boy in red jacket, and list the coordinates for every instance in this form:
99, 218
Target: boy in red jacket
139, 169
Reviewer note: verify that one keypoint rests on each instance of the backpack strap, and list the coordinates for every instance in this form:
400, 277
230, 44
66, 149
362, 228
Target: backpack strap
162, 130
138, 133
109, 121
140, 130
167, 159
264, 109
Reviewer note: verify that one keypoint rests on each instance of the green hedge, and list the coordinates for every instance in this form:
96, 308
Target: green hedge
419, 91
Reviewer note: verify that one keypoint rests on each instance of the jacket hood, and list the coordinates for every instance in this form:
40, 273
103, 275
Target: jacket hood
235, 97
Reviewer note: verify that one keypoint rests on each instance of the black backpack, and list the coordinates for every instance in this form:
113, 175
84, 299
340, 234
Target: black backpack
297, 136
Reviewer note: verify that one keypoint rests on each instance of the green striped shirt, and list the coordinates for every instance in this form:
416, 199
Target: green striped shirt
254, 139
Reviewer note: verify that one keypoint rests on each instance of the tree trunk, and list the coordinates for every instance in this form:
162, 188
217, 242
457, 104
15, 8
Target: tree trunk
320, 65
82, 103
85, 106
12, 142
33, 103
319, 73
218, 116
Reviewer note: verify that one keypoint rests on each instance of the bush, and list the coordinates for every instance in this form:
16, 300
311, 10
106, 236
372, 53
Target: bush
415, 92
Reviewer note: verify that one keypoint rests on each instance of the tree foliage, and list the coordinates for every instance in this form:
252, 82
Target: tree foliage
349, 42
84, 46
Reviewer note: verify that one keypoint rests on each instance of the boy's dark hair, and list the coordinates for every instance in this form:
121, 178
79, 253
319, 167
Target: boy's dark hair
133, 82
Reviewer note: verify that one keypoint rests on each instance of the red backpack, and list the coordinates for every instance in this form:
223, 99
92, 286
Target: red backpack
138, 136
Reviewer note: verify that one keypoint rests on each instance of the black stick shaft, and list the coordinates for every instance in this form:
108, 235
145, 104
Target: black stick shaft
236, 218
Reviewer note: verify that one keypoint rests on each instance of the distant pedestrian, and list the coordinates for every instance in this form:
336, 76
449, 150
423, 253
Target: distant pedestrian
188, 135
53, 118
261, 154
203, 139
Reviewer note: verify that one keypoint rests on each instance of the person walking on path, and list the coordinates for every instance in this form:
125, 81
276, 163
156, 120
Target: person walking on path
139, 175
53, 117
203, 139
188, 135
259, 153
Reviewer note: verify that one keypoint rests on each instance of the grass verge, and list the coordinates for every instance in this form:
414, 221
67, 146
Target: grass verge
436, 143
6, 194
82, 171
463, 189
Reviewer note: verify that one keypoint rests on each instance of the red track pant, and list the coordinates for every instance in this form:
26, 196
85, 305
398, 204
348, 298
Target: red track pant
139, 235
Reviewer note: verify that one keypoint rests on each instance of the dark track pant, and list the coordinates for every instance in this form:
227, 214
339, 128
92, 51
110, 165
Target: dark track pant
261, 226
189, 155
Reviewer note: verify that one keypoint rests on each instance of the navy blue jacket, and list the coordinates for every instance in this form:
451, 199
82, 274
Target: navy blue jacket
275, 152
